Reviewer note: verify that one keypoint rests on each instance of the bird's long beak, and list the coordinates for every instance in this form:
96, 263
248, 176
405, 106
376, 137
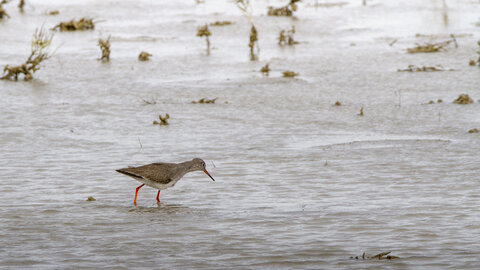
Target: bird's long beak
205, 171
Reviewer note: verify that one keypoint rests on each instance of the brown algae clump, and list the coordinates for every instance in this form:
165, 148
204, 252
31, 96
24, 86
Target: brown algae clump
286, 37
203, 31
53, 12
163, 120
439, 100
283, 11
205, 101
289, 74
474, 130
105, 47
91, 199
337, 103
73, 25
221, 23
40, 43
144, 56
463, 99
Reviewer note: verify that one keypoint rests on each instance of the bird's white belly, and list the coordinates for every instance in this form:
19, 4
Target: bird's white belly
156, 185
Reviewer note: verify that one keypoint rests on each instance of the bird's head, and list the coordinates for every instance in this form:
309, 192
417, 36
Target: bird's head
199, 165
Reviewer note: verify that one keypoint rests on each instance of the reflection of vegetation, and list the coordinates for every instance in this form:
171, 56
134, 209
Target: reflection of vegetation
82, 24
205, 101
283, 11
144, 56
105, 47
163, 120
463, 99
40, 43
286, 37
432, 47
246, 8
203, 31
379, 256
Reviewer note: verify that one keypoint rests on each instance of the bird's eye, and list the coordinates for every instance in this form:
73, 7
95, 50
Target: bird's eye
203, 164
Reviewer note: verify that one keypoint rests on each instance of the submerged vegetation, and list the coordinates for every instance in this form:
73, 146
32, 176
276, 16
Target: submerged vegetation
412, 68
265, 69
41, 42
203, 31
73, 25
163, 120
473, 130
221, 23
379, 256
286, 10
144, 56
476, 62
432, 47
289, 74
105, 47
463, 99
205, 101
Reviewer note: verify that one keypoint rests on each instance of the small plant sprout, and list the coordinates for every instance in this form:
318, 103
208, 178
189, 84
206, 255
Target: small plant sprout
285, 10
286, 37
203, 31
246, 8
163, 120
361, 112
144, 56
41, 41
105, 47
265, 70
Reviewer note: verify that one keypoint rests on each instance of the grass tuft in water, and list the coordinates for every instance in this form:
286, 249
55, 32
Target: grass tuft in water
105, 48
203, 31
163, 120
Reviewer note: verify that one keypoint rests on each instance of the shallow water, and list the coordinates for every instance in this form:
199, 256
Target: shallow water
301, 184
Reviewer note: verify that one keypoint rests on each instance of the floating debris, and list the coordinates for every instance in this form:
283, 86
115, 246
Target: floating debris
40, 43
205, 101
413, 68
463, 99
337, 103
82, 24
289, 74
163, 120
432, 47
286, 37
221, 23
91, 199
144, 56
379, 256
361, 111
474, 130
105, 47
53, 12
286, 11
265, 70
203, 31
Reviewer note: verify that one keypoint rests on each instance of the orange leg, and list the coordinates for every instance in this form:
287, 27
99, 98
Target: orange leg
158, 194
136, 192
